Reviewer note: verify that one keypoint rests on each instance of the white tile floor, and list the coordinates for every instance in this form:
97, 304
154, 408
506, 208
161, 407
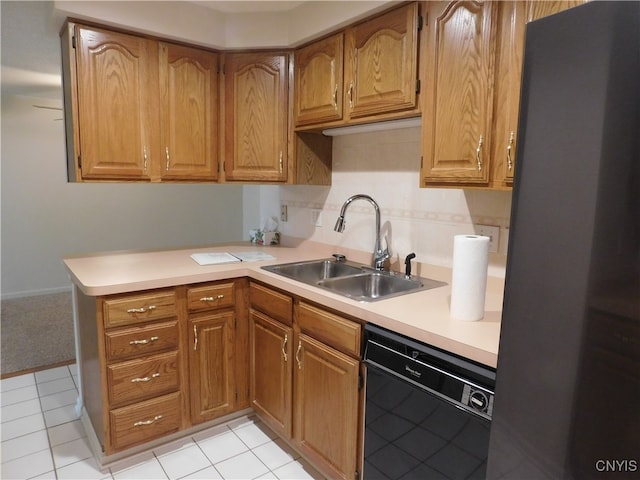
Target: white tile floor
43, 439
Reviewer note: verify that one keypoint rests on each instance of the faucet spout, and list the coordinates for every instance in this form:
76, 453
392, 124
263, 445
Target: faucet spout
379, 255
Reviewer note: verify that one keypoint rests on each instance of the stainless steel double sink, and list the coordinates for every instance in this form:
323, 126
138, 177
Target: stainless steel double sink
357, 281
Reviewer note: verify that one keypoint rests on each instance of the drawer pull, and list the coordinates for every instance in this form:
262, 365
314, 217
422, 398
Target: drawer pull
284, 347
143, 342
147, 422
142, 309
145, 379
212, 299
298, 355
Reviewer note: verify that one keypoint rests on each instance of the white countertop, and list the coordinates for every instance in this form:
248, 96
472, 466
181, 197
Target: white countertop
422, 315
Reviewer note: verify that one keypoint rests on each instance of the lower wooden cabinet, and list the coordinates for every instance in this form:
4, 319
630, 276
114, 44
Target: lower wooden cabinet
305, 378
326, 407
211, 380
271, 374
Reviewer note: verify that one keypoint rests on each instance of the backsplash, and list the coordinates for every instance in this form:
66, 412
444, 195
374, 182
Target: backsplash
386, 166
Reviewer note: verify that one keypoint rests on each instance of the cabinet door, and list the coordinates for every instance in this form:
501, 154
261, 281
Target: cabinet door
381, 57
256, 104
271, 374
117, 98
458, 97
211, 365
318, 81
189, 116
326, 406
513, 18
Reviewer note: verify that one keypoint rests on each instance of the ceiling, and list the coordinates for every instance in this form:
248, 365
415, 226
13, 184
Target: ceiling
248, 6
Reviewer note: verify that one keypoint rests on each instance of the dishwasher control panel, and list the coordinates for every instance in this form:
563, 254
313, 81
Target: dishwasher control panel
477, 399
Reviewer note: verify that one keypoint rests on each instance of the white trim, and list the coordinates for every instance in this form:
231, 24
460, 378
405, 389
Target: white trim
34, 293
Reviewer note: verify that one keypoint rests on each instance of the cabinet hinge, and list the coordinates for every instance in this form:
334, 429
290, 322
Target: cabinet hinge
360, 382
357, 475
236, 395
79, 162
73, 41
417, 85
419, 22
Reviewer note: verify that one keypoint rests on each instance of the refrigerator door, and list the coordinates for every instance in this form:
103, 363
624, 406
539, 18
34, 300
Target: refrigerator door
568, 379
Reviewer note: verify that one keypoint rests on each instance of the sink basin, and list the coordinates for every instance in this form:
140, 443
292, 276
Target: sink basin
315, 270
376, 285
352, 280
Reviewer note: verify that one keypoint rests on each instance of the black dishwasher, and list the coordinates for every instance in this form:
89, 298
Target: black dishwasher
427, 412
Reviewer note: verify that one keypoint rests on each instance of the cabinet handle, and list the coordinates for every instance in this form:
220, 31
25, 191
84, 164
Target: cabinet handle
509, 148
145, 379
148, 422
166, 151
284, 347
280, 161
141, 309
479, 153
350, 92
212, 299
335, 97
143, 342
144, 156
195, 339
298, 355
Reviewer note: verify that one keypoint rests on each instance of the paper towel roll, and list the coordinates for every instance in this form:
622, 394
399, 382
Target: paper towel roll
469, 279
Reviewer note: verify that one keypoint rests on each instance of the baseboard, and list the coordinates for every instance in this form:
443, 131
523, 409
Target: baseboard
39, 369
35, 293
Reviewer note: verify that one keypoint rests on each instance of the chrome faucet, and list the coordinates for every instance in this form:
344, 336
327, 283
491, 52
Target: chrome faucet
379, 255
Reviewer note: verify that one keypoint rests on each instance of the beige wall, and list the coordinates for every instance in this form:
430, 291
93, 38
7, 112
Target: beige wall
385, 165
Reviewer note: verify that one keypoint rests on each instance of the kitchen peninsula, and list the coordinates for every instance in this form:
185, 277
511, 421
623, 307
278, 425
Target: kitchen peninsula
151, 325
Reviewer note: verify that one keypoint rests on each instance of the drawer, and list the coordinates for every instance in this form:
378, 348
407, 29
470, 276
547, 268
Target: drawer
336, 331
145, 307
138, 380
274, 304
208, 297
142, 340
145, 421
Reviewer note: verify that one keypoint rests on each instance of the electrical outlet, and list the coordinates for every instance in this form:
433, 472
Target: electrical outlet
316, 217
493, 233
283, 213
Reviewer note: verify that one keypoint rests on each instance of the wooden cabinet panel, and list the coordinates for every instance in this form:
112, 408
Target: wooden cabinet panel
138, 380
459, 92
256, 113
210, 297
189, 116
318, 80
275, 304
381, 63
211, 357
116, 107
132, 309
513, 17
271, 373
141, 340
142, 422
332, 329
326, 407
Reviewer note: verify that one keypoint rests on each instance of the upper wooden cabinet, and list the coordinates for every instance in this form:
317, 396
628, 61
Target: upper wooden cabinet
458, 97
255, 117
138, 109
367, 72
513, 19
474, 54
115, 87
319, 81
189, 113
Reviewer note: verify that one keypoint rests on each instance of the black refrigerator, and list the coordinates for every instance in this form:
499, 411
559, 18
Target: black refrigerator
567, 399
